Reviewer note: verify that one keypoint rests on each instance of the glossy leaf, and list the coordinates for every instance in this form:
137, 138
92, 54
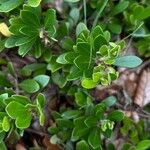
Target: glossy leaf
71, 114
82, 145
94, 138
143, 145
30, 86
120, 7
34, 3
80, 27
6, 124
88, 83
18, 111
9, 5
116, 115
50, 19
42, 80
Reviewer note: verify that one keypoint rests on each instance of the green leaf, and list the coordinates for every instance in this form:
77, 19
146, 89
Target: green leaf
53, 130
120, 7
78, 132
53, 65
97, 31
9, 5
143, 145
34, 3
74, 14
100, 109
2, 44
3, 145
127, 146
67, 43
91, 121
6, 124
80, 98
80, 27
74, 74
70, 56
15, 109
116, 115
18, 111
94, 138
18, 98
110, 101
82, 145
59, 79
35, 23
11, 68
61, 59
43, 80
24, 121
10, 42
96, 76
29, 85
3, 96
25, 48
35, 67
64, 123
84, 60
71, 114
115, 28
88, 83
128, 61
2, 136
42, 119
3, 81
23, 40
50, 19
72, 1
144, 14
98, 42
26, 30
40, 100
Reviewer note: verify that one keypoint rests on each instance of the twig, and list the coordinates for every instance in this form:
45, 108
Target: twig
84, 4
99, 13
36, 132
134, 31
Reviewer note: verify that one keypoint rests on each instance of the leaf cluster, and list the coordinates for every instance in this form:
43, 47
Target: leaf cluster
17, 111
86, 124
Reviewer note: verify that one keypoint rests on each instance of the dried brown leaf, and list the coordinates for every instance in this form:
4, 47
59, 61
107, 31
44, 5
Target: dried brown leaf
48, 145
142, 95
20, 147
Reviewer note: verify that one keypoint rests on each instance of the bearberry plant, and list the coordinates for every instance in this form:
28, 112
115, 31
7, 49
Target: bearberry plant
70, 47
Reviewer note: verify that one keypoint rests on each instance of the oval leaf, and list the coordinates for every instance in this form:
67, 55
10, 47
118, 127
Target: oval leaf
82, 145
88, 83
128, 61
116, 115
30, 86
143, 145
94, 138
80, 27
34, 3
